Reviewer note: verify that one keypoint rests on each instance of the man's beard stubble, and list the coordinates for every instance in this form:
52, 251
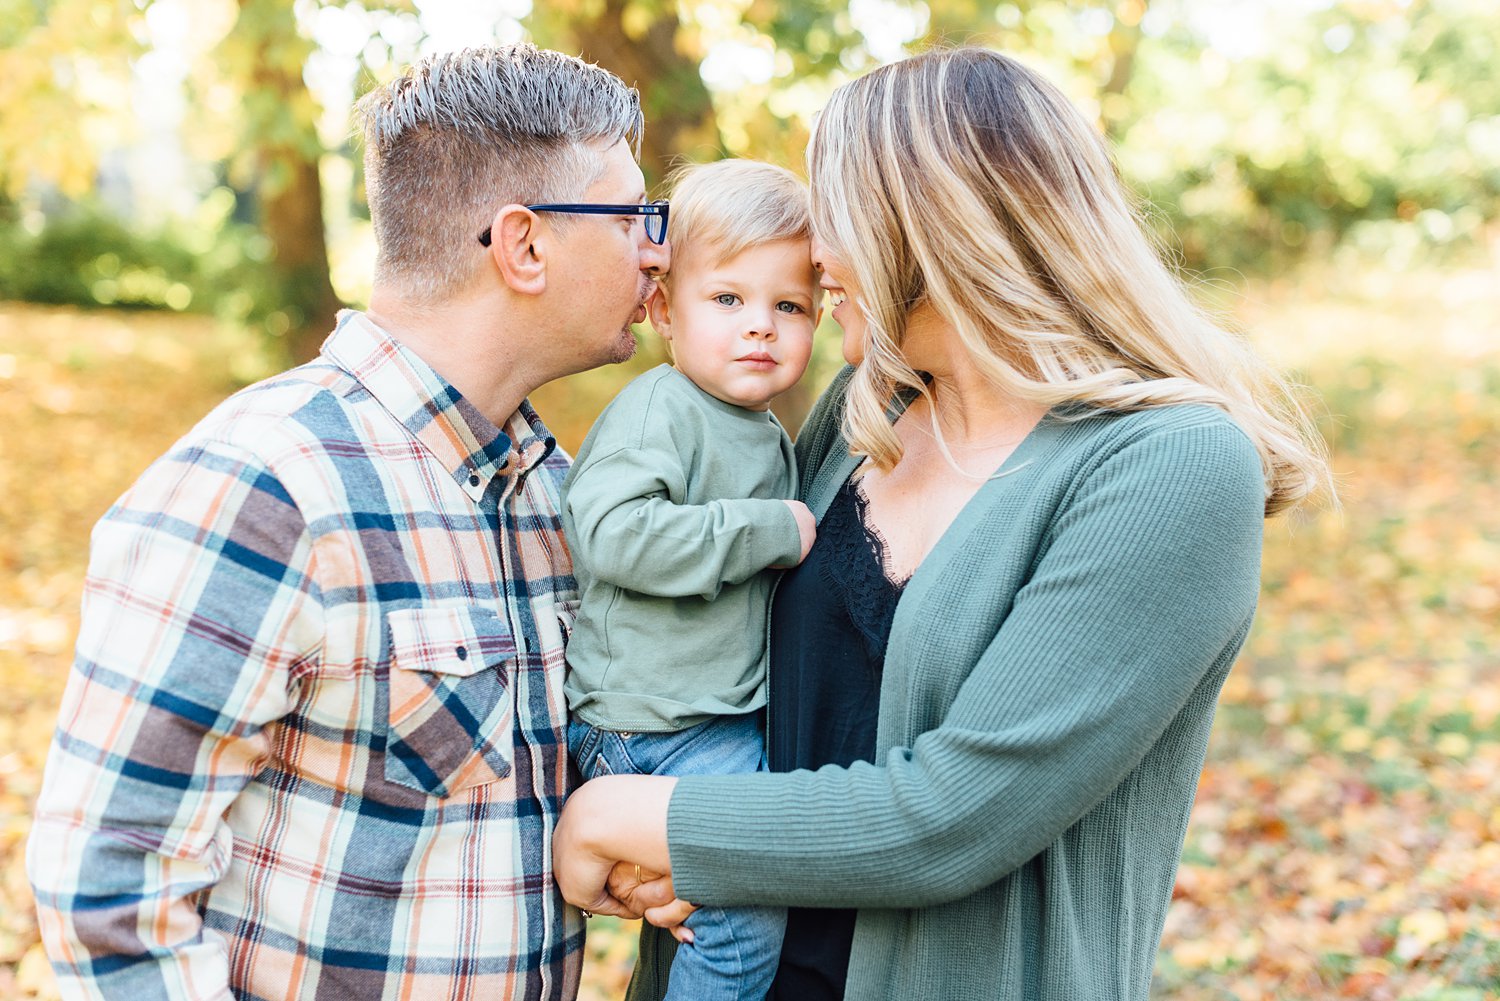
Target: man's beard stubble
624, 347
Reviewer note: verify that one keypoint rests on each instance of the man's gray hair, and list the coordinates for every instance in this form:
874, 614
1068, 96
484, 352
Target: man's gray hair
461, 134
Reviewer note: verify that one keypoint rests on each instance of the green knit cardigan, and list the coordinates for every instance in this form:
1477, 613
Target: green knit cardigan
1048, 691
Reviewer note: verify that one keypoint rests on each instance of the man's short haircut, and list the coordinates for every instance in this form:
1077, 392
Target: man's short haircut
460, 134
723, 208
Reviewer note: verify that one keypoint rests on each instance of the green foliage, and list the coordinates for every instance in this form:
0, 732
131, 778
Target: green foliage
83, 256
1371, 123
818, 34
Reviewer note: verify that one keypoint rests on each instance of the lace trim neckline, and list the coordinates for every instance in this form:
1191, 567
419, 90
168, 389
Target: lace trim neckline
877, 541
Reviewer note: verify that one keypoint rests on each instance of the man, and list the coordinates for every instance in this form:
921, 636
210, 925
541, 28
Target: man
312, 746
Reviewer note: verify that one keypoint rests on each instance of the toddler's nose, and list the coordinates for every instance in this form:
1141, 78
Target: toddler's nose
761, 326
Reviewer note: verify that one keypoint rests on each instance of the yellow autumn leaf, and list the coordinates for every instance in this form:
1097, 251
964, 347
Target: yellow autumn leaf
34, 975
1355, 740
1454, 745
1426, 926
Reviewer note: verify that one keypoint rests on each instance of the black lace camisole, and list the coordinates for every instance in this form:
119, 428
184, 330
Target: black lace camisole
830, 621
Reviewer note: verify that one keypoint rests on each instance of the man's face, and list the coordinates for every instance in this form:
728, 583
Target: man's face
603, 267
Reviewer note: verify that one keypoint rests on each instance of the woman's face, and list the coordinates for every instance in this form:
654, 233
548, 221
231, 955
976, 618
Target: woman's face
844, 298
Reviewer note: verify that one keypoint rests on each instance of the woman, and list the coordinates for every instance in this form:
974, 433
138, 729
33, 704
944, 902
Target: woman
1058, 468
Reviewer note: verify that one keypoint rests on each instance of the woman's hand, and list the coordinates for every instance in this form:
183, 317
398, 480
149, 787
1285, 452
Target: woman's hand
582, 872
614, 819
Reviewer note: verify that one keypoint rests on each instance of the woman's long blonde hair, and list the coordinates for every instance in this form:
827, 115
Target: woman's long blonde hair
961, 179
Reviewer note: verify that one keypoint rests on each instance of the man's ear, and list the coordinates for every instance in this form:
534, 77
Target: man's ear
659, 308
519, 247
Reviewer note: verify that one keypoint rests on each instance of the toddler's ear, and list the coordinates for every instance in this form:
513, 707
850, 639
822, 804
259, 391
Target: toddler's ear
659, 308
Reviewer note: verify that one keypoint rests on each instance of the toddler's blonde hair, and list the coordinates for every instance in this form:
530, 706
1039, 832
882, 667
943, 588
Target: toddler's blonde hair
724, 208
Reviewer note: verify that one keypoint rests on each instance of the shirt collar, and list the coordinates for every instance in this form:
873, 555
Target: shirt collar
468, 445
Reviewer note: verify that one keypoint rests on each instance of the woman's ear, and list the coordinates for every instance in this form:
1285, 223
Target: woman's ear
659, 308
519, 248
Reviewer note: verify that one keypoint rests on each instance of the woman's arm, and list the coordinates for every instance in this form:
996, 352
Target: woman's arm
1141, 595
1146, 586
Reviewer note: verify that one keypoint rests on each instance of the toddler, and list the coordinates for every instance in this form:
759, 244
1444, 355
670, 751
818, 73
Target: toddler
677, 508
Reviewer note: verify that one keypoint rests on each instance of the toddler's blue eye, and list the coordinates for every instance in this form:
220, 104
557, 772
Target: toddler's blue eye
789, 307
726, 298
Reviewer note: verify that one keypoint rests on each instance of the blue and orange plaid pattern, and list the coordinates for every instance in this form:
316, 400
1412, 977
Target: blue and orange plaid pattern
313, 742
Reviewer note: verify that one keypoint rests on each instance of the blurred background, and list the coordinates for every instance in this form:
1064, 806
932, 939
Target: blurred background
181, 213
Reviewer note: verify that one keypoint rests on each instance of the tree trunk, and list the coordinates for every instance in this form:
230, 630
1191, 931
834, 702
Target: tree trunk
1124, 41
284, 149
679, 110
963, 22
292, 218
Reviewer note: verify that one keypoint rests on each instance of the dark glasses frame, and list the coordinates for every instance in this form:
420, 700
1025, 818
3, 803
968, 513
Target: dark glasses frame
654, 213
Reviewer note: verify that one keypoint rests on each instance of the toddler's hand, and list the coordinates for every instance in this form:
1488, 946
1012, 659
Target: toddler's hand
807, 527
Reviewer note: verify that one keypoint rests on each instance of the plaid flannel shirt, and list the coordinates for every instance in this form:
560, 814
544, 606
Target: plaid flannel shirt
313, 742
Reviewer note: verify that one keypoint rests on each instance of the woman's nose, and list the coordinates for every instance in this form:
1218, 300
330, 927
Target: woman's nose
819, 252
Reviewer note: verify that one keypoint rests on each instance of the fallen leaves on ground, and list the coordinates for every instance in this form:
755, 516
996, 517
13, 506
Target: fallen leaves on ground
1346, 838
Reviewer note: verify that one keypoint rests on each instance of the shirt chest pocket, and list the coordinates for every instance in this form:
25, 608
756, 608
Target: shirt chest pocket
452, 711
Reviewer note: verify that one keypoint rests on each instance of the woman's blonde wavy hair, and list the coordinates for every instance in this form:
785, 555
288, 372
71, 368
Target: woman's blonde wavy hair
963, 180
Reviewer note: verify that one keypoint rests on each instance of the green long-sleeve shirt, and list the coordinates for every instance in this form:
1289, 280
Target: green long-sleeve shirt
674, 509
1048, 691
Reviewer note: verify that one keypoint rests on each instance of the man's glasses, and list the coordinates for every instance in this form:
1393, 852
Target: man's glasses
655, 214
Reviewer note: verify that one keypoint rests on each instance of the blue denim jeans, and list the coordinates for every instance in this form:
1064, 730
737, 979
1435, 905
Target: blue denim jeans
735, 949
